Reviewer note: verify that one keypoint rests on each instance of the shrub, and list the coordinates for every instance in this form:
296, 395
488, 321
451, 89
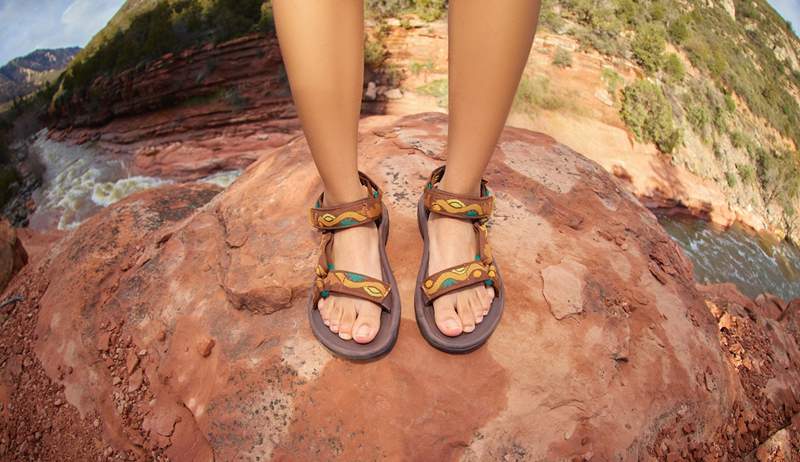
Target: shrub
739, 140
613, 81
648, 114
562, 58
730, 178
374, 53
674, 68
533, 93
679, 30
746, 173
437, 88
648, 46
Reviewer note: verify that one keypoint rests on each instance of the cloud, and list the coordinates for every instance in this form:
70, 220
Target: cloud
28, 25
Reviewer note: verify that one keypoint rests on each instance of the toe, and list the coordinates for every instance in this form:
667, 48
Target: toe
487, 295
348, 318
335, 315
367, 323
464, 309
447, 319
322, 306
477, 305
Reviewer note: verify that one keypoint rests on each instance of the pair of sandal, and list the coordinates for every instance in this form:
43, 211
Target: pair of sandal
384, 292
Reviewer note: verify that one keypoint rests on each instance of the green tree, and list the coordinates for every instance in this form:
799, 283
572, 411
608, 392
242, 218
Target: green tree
648, 114
648, 46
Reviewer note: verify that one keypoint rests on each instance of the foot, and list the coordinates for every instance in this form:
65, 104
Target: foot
452, 242
354, 249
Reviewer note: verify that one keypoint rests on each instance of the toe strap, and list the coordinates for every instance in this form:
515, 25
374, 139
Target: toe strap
352, 284
459, 276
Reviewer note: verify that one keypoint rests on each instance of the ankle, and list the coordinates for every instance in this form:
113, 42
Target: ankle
463, 186
344, 193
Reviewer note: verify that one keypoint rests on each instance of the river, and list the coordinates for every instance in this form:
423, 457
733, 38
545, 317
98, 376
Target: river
79, 180
754, 263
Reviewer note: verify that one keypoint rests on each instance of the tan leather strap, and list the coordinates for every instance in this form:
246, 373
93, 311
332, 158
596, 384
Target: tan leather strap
457, 205
351, 214
355, 285
330, 280
458, 277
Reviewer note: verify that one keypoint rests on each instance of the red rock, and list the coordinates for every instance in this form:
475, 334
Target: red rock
205, 347
269, 389
12, 254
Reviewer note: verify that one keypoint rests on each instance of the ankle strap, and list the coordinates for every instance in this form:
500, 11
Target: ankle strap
457, 205
351, 214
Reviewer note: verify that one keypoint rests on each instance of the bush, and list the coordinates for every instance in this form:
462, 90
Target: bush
536, 93
648, 46
438, 89
746, 173
648, 114
679, 30
674, 68
730, 178
613, 81
562, 58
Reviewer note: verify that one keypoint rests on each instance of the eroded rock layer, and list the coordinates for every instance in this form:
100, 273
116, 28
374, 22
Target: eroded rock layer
173, 325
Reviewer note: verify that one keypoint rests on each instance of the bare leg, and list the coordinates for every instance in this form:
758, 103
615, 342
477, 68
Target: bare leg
322, 43
488, 49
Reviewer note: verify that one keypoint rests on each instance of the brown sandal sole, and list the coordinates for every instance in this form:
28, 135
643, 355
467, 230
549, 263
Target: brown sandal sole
390, 320
466, 342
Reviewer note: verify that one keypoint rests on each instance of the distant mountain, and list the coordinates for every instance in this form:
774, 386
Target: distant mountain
24, 75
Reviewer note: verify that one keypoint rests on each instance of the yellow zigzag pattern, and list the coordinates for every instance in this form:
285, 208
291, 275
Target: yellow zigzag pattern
373, 289
455, 206
457, 274
332, 220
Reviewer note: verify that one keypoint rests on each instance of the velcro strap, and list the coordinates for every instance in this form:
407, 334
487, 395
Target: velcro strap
458, 277
354, 285
351, 214
457, 205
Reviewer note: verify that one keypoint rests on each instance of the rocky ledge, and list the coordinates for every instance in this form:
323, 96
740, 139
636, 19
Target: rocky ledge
173, 325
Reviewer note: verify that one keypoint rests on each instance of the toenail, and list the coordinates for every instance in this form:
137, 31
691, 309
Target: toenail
451, 325
469, 328
344, 336
363, 332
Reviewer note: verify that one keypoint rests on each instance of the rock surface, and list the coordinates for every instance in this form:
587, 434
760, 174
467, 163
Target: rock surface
173, 324
12, 253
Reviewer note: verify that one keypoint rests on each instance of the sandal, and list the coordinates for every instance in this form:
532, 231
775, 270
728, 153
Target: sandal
334, 280
482, 270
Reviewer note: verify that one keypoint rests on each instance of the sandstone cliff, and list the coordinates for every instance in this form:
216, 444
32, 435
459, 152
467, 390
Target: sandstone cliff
172, 325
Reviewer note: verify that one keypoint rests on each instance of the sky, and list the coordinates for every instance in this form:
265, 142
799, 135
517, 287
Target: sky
26, 25
789, 9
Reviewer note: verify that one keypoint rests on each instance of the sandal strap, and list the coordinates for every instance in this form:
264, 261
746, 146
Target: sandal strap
351, 214
457, 205
352, 284
458, 277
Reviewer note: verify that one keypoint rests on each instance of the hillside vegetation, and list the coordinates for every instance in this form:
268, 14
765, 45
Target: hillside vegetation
727, 71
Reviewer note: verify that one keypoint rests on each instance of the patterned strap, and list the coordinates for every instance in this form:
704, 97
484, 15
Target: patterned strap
457, 205
351, 214
352, 284
459, 276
